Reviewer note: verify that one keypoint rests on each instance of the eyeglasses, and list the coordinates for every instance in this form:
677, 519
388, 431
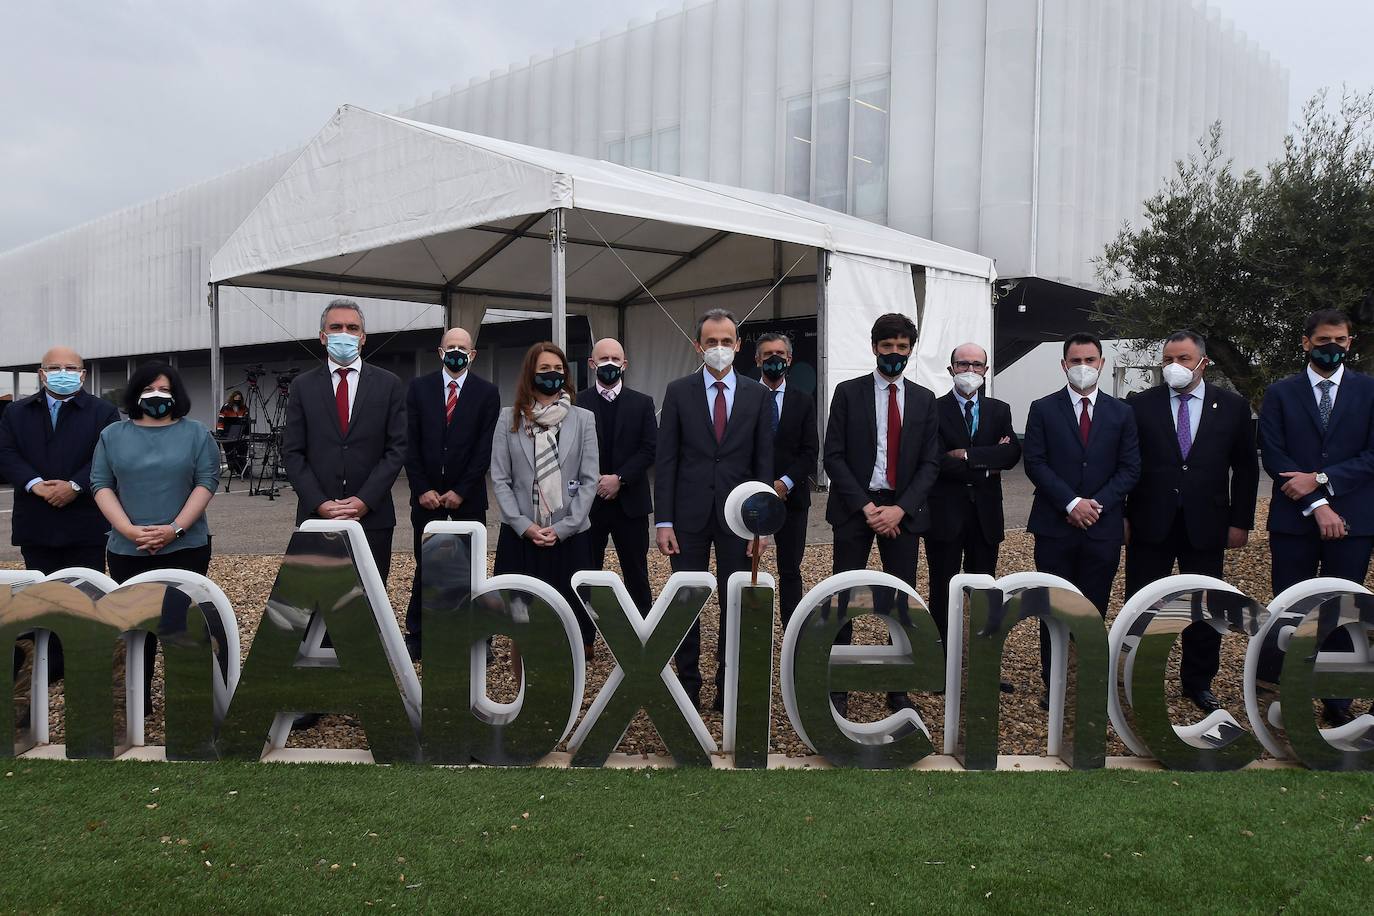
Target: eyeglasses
966, 364
60, 368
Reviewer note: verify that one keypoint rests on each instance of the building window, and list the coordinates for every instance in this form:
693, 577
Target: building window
843, 164
642, 152
668, 153
615, 152
797, 146
868, 150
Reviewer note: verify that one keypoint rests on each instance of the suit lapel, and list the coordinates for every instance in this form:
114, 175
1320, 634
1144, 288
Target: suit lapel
526, 440
1069, 410
1308, 395
329, 401
870, 409
1164, 414
699, 387
1338, 407
744, 399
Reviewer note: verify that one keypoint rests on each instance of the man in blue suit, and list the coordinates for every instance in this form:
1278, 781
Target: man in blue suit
1082, 454
1316, 432
450, 416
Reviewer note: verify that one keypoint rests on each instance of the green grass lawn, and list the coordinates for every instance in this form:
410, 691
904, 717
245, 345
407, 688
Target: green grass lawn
100, 836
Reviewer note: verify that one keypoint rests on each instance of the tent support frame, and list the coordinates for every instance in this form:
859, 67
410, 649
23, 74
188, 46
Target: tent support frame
216, 356
558, 280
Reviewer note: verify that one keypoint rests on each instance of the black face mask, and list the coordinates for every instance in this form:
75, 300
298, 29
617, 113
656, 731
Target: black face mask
156, 408
609, 373
455, 360
1327, 356
548, 382
892, 364
775, 367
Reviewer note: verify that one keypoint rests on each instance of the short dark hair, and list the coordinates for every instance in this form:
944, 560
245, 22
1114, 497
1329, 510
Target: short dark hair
769, 337
1325, 316
1082, 337
144, 376
1184, 334
717, 315
893, 325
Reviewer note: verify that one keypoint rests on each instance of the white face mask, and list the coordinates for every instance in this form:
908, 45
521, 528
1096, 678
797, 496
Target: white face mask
1084, 378
719, 358
968, 382
1177, 377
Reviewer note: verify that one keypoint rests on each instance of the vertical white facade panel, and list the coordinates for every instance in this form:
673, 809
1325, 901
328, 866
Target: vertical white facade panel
1008, 134
497, 109
667, 98
519, 105
1127, 113
759, 126
541, 95
1060, 121
911, 133
961, 30
611, 96
696, 91
564, 89
586, 81
727, 91
639, 82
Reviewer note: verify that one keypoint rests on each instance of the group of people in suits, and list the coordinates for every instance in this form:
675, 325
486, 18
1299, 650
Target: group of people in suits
1170, 474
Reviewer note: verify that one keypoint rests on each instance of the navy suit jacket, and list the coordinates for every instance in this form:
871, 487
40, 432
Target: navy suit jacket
1292, 439
1062, 467
443, 456
626, 445
30, 447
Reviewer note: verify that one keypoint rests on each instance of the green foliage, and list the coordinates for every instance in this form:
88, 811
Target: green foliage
1244, 259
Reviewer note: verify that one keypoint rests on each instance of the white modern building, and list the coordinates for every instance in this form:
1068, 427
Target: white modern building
1027, 131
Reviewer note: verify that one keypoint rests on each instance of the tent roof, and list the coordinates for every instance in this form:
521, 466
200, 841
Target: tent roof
390, 208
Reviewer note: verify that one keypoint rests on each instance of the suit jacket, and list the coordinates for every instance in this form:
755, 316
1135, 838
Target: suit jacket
30, 447
512, 472
1292, 439
443, 456
1215, 487
323, 464
627, 438
977, 479
694, 475
1061, 467
851, 450
796, 445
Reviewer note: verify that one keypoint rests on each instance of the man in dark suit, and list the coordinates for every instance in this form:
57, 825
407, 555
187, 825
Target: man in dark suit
796, 448
715, 433
1083, 456
1196, 494
450, 418
345, 438
977, 444
627, 437
1316, 432
46, 443
882, 452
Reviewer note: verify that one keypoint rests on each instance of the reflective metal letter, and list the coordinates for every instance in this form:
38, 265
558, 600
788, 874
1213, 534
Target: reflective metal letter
749, 669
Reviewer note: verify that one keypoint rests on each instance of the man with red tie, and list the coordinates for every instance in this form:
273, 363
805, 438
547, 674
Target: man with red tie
882, 452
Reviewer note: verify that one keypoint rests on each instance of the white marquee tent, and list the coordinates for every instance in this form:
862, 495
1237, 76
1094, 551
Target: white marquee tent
382, 207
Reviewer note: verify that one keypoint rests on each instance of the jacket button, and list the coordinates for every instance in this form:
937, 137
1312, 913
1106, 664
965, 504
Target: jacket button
1085, 464
1185, 467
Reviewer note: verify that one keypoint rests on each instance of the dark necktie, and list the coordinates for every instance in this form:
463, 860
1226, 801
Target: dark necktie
773, 397
1185, 426
894, 436
1324, 405
968, 419
341, 400
1085, 422
452, 403
718, 414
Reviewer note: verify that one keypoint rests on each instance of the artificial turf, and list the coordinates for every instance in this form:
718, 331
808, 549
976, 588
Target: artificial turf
103, 837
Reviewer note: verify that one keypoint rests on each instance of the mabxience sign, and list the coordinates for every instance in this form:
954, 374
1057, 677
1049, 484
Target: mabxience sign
329, 585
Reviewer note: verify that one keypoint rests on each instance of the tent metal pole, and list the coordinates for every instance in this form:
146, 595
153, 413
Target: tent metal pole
822, 357
446, 300
216, 362
777, 279
558, 269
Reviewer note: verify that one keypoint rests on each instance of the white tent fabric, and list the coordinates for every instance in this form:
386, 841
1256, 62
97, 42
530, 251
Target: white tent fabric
957, 310
860, 290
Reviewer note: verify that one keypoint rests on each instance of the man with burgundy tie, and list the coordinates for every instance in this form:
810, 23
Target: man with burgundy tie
345, 437
715, 433
1083, 456
450, 419
1196, 496
882, 452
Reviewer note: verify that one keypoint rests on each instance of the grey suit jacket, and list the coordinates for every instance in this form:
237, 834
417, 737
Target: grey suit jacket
512, 472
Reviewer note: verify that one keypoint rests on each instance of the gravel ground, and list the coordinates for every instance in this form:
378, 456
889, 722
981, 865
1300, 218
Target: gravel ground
248, 579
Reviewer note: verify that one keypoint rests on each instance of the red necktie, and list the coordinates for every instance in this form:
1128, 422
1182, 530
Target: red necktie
719, 412
1085, 422
894, 435
452, 402
341, 400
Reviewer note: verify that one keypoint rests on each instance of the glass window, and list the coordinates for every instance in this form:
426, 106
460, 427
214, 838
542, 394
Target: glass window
615, 152
832, 148
642, 152
668, 152
869, 155
797, 147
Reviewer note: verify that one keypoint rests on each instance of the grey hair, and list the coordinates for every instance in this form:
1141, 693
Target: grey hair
769, 337
717, 315
1185, 334
343, 304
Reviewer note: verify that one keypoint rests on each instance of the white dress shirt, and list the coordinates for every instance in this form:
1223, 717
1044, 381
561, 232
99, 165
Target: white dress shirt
446, 378
878, 480
1314, 380
352, 381
1076, 402
777, 395
1194, 408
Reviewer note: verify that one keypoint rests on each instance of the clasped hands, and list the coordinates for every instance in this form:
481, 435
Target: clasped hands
151, 538
885, 520
1085, 513
341, 510
542, 537
56, 493
433, 499
1300, 485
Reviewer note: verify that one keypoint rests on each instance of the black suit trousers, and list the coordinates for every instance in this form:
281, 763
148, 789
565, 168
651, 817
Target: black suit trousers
969, 552
1088, 563
854, 543
694, 554
631, 536
1146, 563
790, 541
419, 518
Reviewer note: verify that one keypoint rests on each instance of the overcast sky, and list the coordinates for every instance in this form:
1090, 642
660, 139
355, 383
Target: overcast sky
107, 103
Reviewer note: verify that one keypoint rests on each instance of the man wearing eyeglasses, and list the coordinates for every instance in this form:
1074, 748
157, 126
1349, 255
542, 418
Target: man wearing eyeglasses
976, 445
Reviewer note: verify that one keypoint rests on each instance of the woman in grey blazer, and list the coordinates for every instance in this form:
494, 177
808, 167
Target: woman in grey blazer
544, 468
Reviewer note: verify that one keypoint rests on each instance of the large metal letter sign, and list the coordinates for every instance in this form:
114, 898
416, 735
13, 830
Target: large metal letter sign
328, 583
813, 667
462, 610
1141, 637
748, 670
643, 647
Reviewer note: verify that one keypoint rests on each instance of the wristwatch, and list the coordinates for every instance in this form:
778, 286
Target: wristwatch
177, 530
76, 487
1322, 478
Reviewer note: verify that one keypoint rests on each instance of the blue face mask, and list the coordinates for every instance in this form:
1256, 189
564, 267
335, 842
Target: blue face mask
62, 382
156, 406
342, 347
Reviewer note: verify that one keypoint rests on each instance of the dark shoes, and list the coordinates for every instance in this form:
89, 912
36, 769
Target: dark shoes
1335, 715
1005, 687
841, 703
413, 647
896, 702
1045, 700
1203, 699
306, 721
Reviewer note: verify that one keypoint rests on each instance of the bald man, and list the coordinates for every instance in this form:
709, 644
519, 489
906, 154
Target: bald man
627, 435
46, 443
451, 415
